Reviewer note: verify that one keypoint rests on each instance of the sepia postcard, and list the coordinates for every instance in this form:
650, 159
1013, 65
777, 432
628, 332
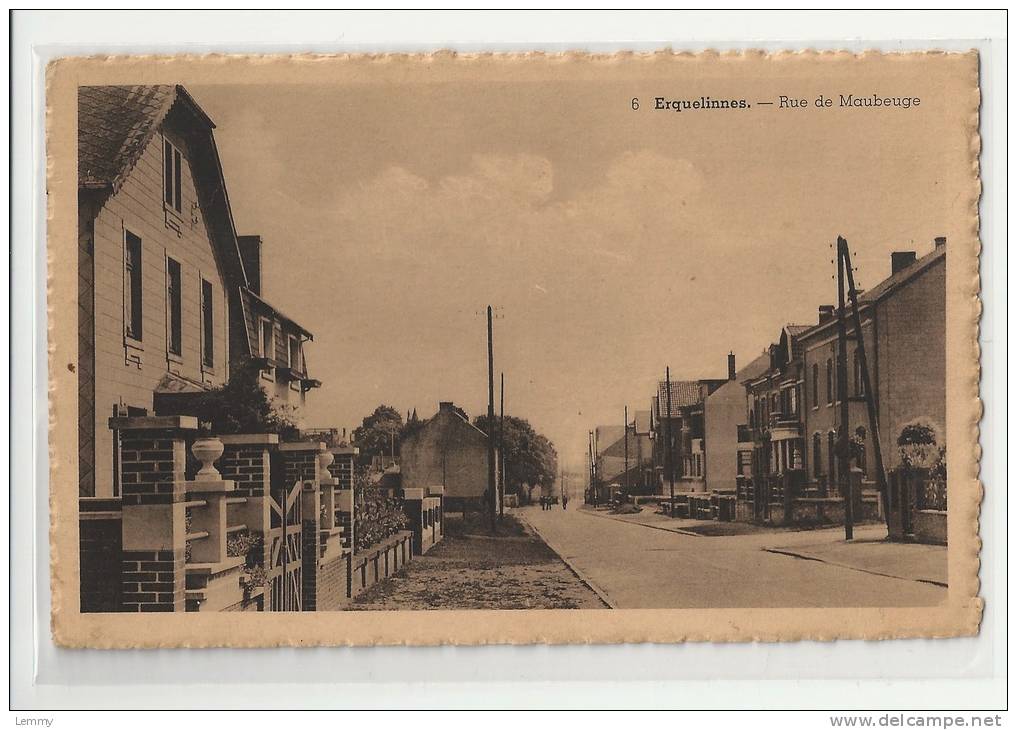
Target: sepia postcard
513, 348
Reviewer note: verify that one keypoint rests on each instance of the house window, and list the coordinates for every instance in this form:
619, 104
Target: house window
829, 382
172, 161
859, 381
267, 343
817, 456
132, 286
792, 401
815, 383
294, 355
174, 334
207, 325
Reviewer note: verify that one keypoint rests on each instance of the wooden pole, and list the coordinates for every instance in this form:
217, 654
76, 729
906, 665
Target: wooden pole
492, 486
501, 449
870, 393
843, 447
667, 427
626, 451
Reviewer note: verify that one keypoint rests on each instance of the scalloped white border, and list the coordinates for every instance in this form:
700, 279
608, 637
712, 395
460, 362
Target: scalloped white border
959, 617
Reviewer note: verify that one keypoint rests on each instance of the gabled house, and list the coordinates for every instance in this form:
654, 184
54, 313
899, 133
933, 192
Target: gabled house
263, 336
160, 267
447, 451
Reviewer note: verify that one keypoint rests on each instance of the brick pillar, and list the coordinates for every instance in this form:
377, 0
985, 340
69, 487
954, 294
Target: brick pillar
300, 463
344, 458
246, 459
153, 462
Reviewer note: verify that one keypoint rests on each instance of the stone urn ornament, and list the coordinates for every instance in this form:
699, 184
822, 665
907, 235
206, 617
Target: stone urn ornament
325, 459
207, 451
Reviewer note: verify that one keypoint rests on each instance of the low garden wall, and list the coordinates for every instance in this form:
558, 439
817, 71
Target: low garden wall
379, 562
930, 526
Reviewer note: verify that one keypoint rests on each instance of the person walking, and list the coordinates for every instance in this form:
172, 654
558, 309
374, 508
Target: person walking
564, 501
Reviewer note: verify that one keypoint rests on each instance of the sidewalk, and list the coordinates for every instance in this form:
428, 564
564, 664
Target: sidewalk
649, 517
869, 552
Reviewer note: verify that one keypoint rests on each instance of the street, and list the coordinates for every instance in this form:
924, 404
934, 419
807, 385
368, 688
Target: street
640, 566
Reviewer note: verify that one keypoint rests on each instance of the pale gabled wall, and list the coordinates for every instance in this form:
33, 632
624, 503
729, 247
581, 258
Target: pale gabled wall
130, 376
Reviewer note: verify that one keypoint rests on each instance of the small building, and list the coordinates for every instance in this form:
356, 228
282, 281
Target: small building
449, 451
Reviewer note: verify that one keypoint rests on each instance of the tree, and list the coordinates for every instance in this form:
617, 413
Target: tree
240, 406
379, 433
530, 456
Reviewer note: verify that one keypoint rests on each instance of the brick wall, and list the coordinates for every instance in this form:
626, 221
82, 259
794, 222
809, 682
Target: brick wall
332, 577
153, 464
248, 466
153, 580
138, 207
100, 558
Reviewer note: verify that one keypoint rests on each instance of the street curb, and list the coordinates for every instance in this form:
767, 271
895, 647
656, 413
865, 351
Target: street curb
802, 556
576, 571
676, 530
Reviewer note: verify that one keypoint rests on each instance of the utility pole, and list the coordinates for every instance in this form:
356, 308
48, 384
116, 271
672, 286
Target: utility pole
492, 486
593, 489
870, 394
501, 449
667, 428
626, 451
843, 447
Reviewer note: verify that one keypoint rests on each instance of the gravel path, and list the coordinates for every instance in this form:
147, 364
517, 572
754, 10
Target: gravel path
470, 569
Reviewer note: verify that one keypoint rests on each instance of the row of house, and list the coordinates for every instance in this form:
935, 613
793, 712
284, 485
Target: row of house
780, 414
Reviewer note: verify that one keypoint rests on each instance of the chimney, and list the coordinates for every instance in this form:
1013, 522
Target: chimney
900, 260
940, 241
445, 405
250, 254
730, 366
825, 313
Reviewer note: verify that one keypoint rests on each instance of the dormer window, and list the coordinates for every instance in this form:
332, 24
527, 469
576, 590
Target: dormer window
267, 340
172, 162
295, 355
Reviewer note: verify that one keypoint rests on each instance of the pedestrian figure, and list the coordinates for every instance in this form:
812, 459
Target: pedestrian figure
564, 501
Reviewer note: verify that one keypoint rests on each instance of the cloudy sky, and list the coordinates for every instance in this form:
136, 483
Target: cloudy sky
613, 242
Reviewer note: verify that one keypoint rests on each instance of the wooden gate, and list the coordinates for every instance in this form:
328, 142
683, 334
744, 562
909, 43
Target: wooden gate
285, 554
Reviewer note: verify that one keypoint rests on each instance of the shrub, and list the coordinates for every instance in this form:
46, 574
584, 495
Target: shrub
244, 543
916, 445
242, 406
377, 517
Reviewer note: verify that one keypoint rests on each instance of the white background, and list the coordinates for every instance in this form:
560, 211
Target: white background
922, 675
